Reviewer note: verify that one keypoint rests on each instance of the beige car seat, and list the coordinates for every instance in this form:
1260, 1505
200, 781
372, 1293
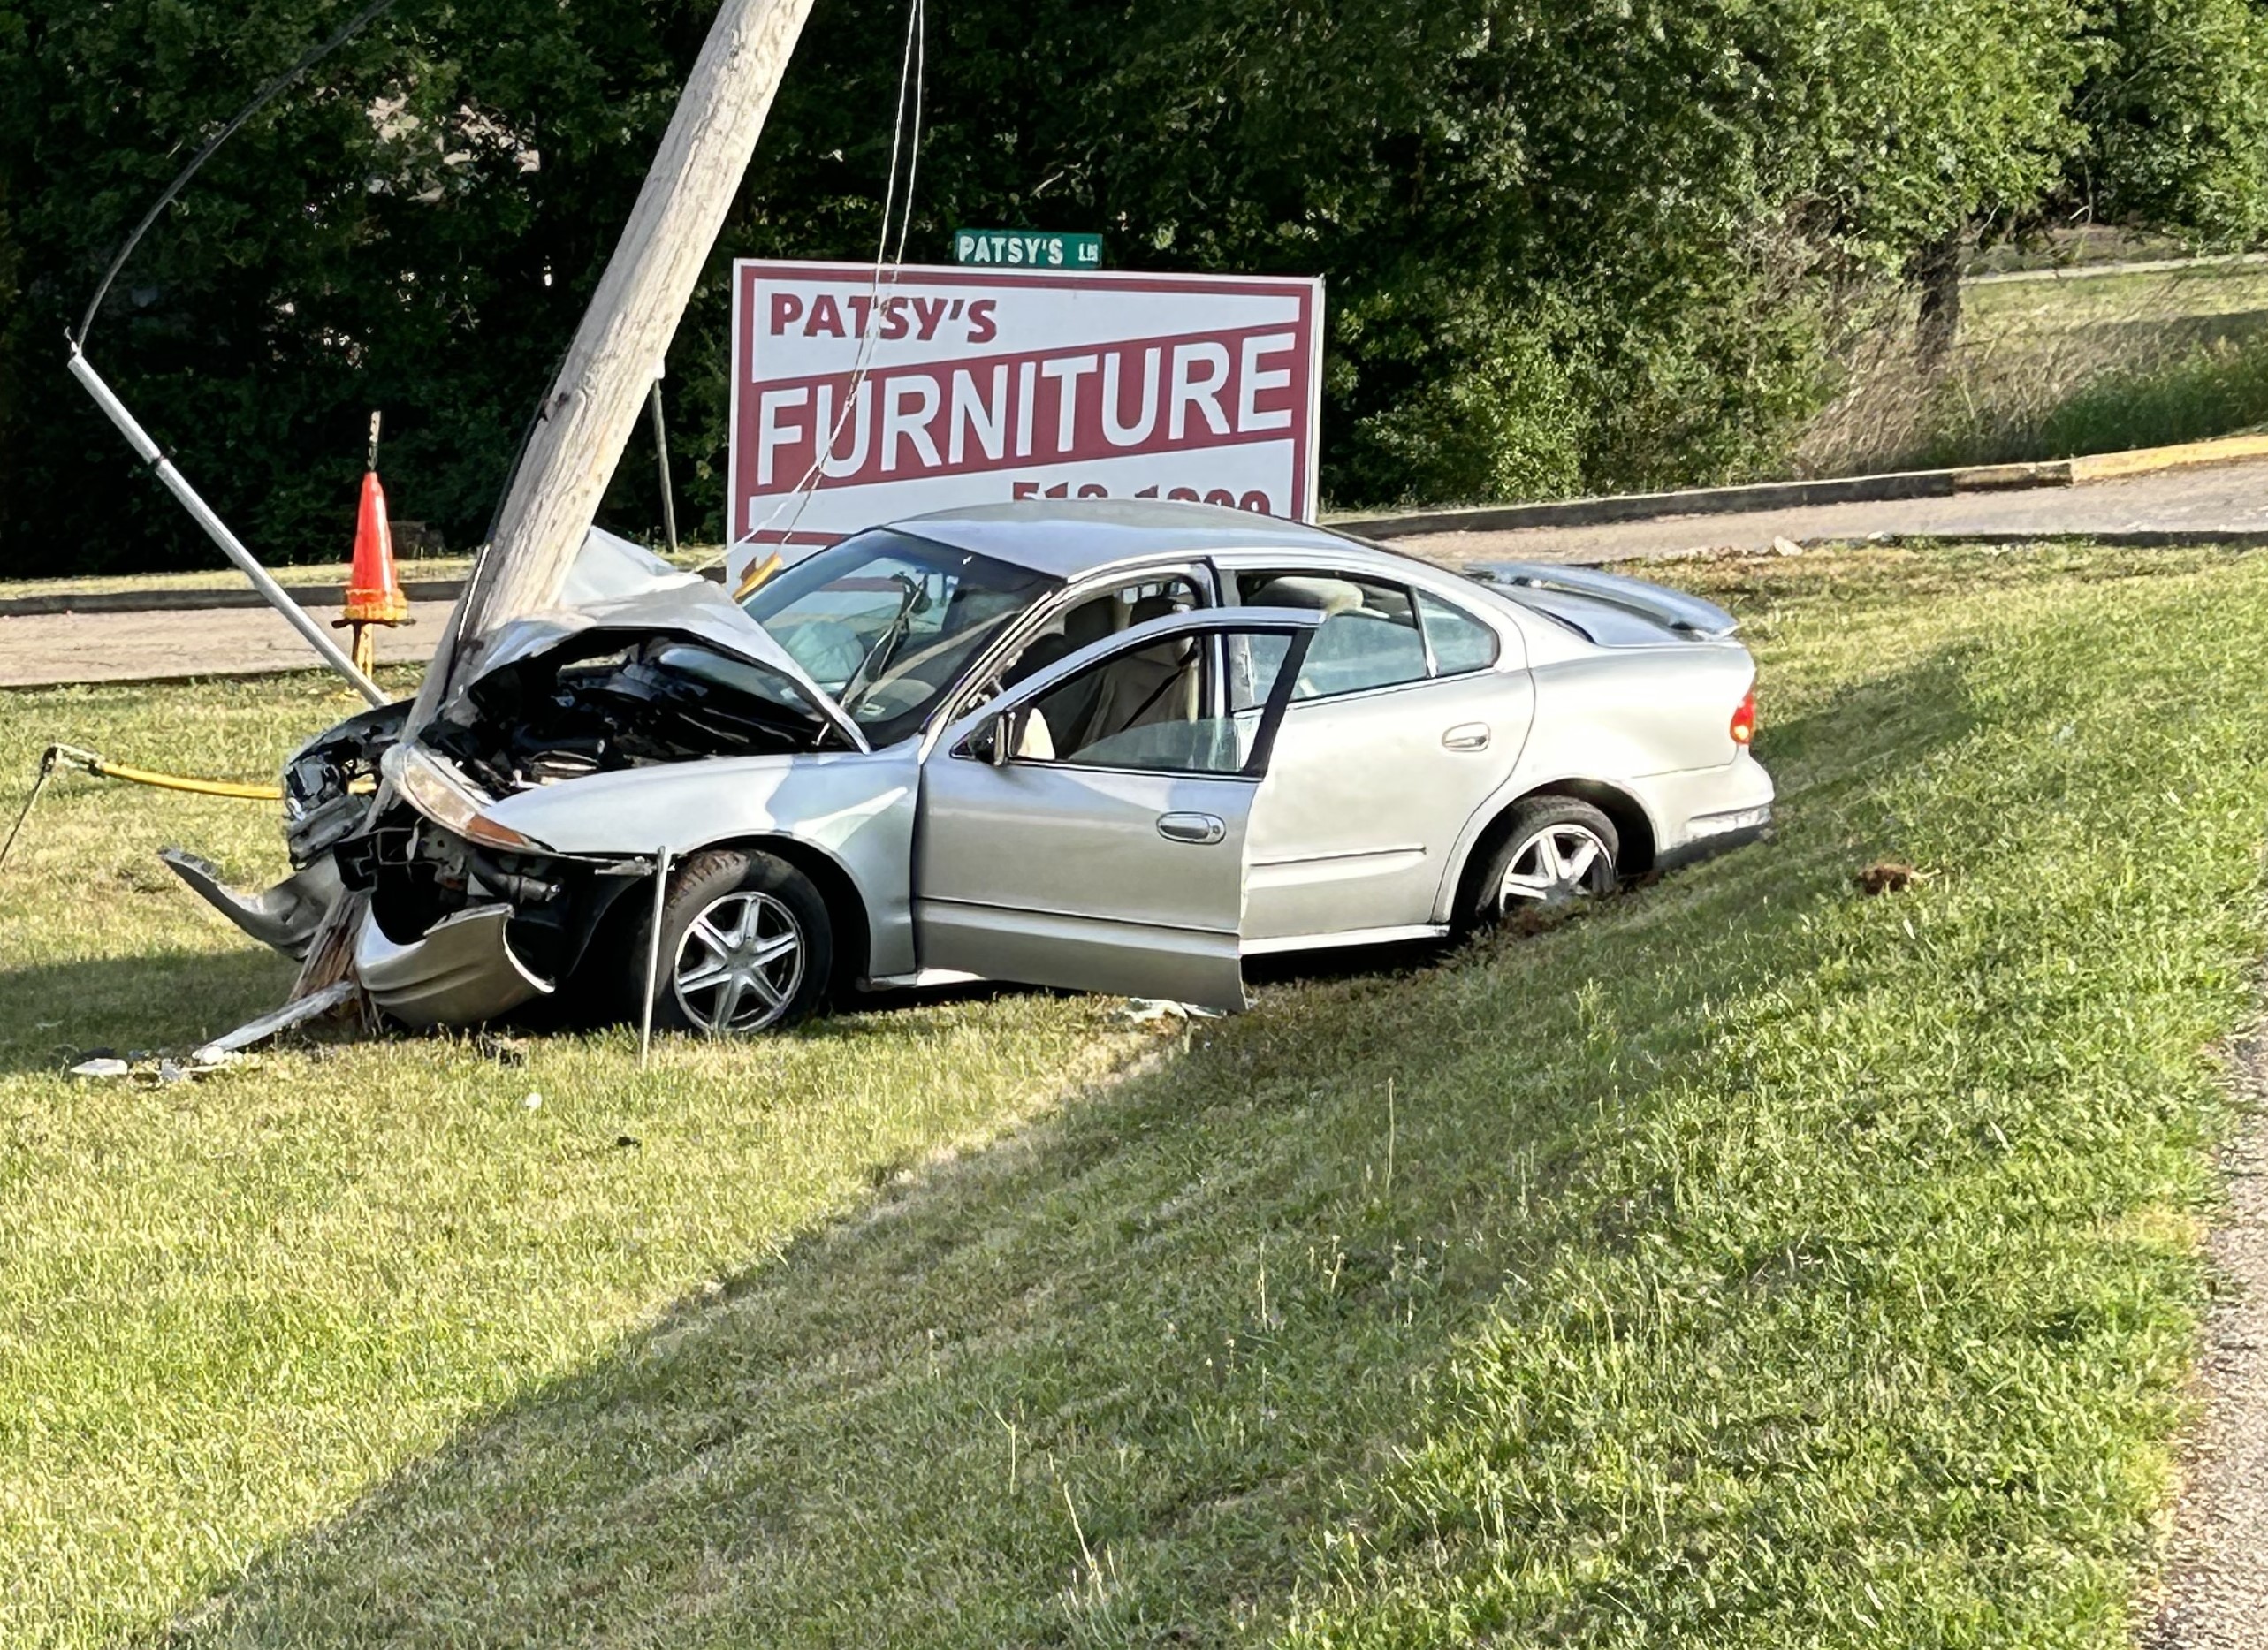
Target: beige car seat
1157, 684
1313, 594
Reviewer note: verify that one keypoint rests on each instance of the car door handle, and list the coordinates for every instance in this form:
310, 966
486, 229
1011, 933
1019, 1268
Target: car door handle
1466, 737
1200, 828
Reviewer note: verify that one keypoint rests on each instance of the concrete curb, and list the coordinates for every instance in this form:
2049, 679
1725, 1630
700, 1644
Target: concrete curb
205, 601
1806, 495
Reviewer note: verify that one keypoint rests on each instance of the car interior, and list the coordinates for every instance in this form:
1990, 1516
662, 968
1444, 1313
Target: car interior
1372, 636
1369, 638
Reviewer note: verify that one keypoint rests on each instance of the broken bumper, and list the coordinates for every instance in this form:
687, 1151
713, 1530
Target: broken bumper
461, 971
284, 917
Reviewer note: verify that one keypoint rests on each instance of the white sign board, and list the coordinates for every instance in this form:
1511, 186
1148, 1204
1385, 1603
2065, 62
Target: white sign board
857, 400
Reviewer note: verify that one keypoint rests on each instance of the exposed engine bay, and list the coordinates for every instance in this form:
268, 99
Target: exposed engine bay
604, 702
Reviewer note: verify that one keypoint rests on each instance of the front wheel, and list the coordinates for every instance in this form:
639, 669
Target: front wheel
1555, 851
746, 947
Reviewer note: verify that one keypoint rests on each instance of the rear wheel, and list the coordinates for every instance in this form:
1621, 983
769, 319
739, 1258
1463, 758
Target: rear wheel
1555, 850
746, 947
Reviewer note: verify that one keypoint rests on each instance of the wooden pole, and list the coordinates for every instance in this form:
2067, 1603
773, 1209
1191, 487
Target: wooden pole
587, 419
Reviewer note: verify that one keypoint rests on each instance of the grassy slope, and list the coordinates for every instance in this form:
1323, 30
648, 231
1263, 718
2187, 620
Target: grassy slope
1749, 1261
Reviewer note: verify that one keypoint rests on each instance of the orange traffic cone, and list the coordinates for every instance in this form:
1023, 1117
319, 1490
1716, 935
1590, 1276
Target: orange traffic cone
373, 594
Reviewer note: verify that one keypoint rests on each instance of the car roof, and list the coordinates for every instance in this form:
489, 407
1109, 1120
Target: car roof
1069, 537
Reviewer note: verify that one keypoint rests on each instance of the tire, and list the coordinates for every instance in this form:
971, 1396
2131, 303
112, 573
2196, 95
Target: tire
716, 974
1552, 851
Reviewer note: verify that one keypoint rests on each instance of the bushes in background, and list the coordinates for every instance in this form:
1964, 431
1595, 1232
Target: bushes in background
1571, 245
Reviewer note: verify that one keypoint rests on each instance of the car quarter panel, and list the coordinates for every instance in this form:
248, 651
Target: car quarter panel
1368, 797
1627, 712
1654, 724
857, 809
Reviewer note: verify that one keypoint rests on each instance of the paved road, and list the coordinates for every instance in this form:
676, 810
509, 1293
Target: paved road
2216, 1594
2227, 498
234, 641
50, 648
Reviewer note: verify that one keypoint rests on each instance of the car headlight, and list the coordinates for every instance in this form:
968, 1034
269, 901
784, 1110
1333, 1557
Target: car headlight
435, 789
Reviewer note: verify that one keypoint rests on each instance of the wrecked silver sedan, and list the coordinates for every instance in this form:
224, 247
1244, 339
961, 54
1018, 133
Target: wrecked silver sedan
1116, 746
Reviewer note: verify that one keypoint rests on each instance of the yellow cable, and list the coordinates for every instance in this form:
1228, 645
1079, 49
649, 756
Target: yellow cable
103, 767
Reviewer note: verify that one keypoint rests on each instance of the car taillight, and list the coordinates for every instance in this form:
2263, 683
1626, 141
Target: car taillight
1744, 720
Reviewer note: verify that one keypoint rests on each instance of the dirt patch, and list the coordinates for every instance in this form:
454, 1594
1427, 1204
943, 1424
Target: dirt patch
2217, 1588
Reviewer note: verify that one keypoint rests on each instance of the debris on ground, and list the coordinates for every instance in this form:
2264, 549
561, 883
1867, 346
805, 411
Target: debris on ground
1786, 547
1158, 1011
504, 1051
223, 1048
145, 1070
1888, 876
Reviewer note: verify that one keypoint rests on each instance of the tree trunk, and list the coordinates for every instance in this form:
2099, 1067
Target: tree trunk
1937, 327
586, 420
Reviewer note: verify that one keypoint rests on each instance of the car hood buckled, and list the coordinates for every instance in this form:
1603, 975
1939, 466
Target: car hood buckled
614, 586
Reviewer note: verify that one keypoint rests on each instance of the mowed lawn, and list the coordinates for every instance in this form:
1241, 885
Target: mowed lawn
1749, 1260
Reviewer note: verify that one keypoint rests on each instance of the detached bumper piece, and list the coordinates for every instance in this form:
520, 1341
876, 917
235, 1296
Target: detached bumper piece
460, 972
284, 917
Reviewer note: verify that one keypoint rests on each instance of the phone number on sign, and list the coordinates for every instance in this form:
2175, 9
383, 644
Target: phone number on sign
1256, 501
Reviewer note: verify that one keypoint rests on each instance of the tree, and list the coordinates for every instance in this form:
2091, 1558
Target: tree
1569, 244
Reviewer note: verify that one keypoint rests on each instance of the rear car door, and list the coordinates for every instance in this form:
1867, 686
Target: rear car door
1088, 828
1408, 715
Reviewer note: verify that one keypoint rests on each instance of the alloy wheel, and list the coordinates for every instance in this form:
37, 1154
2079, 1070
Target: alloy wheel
739, 964
1558, 864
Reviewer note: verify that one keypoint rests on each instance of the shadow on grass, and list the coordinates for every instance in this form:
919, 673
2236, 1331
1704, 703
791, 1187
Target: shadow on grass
1101, 1381
59, 1012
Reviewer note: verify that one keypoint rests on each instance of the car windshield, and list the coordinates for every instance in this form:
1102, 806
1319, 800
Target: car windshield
886, 621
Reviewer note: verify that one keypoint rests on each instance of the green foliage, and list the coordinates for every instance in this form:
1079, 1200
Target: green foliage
374, 240
1569, 244
2177, 127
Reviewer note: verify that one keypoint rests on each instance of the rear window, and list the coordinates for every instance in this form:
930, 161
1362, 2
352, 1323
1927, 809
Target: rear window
1459, 642
1375, 632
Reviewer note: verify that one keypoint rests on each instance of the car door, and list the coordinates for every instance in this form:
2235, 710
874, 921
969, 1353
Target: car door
1408, 714
1087, 829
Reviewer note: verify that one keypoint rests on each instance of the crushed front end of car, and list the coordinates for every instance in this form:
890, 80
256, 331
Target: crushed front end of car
469, 917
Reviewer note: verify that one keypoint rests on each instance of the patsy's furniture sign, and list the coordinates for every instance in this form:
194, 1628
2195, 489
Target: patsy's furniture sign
859, 399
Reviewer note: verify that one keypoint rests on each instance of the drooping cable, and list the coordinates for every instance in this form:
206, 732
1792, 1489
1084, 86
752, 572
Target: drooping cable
905, 138
260, 99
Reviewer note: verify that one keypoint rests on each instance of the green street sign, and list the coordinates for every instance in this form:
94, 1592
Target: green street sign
1027, 249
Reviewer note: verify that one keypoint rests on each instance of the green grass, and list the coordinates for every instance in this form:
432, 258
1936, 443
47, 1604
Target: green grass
1750, 1261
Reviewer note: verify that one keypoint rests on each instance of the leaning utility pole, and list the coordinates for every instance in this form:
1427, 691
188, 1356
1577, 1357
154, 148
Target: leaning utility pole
585, 422
586, 419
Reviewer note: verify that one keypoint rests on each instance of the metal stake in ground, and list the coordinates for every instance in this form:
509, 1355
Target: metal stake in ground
653, 954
